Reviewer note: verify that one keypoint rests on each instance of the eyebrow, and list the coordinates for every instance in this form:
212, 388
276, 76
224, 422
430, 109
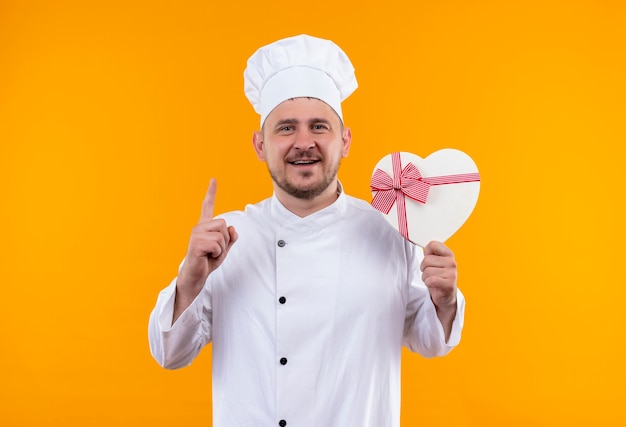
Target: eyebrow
285, 122
292, 121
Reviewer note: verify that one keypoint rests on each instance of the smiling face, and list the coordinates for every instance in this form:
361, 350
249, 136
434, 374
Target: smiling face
303, 142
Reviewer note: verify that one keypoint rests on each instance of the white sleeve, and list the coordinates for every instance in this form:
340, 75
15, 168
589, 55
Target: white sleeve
175, 346
423, 332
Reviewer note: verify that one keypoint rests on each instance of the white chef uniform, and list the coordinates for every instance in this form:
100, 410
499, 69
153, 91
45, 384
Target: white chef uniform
307, 317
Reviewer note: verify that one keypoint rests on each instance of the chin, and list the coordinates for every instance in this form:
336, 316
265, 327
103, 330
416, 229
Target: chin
306, 191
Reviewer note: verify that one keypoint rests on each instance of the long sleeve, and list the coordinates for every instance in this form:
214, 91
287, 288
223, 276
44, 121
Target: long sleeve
304, 312
175, 346
423, 332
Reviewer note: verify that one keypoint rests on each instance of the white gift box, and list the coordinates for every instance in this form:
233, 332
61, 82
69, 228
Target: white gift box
426, 199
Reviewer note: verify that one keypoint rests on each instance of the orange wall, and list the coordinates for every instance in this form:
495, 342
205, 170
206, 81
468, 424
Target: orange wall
115, 114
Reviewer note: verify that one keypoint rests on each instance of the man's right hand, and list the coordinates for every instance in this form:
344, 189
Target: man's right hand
210, 241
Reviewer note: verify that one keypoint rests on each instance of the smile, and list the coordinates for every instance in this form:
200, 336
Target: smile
303, 162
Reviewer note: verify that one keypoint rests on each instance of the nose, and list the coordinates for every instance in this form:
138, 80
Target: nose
304, 140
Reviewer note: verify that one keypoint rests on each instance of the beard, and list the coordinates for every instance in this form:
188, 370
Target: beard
310, 191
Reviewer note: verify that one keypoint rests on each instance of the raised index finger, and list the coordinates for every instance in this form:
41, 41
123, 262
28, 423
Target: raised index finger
209, 202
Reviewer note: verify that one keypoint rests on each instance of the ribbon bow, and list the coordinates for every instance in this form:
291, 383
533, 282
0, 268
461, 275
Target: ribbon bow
407, 181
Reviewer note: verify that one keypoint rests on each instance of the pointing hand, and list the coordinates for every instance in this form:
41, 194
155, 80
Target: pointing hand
210, 241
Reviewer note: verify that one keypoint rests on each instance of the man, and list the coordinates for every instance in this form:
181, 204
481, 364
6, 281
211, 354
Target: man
307, 296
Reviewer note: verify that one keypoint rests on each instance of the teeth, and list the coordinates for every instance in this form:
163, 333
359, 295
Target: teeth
303, 162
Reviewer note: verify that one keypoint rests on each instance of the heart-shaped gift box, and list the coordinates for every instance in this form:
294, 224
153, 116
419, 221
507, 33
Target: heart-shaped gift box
426, 199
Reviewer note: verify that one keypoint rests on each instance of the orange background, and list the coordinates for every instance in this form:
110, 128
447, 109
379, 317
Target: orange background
115, 114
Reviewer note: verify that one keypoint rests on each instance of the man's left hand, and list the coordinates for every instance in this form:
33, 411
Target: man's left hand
439, 273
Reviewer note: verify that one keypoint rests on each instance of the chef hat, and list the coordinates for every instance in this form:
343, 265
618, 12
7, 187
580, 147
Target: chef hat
299, 66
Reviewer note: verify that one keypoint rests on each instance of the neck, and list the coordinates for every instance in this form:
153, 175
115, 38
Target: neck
305, 207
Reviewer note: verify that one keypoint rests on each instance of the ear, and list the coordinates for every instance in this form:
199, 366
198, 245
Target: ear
346, 138
259, 147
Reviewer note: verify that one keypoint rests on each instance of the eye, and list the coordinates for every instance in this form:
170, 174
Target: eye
319, 127
285, 129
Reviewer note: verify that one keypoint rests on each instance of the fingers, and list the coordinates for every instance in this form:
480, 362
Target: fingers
210, 241
437, 255
437, 248
211, 238
209, 202
439, 273
233, 235
439, 279
225, 242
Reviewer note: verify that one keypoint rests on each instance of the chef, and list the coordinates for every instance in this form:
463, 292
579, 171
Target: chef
309, 295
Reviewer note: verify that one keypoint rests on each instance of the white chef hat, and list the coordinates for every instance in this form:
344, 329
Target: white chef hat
299, 66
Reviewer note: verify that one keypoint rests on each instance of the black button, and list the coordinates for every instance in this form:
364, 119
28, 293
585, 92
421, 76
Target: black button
283, 360
281, 243
282, 300
282, 423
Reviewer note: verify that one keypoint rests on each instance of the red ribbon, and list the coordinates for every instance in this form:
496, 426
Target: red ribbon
410, 183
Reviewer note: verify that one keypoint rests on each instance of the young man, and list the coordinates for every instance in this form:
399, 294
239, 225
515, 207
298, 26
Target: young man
307, 296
